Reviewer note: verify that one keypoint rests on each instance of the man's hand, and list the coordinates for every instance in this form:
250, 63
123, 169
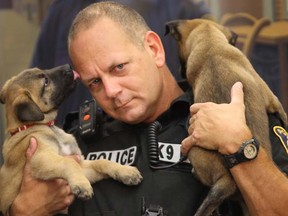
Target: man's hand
38, 197
220, 127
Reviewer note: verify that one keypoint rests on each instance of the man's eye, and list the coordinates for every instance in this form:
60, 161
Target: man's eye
94, 84
120, 66
96, 81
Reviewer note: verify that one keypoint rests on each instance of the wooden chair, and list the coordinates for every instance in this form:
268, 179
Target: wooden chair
279, 10
247, 27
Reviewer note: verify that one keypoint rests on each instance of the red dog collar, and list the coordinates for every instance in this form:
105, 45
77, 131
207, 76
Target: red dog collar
24, 127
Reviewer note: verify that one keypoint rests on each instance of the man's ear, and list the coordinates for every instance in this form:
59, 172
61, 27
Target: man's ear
155, 44
26, 109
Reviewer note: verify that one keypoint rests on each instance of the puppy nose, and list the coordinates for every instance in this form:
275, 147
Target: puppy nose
66, 70
62, 68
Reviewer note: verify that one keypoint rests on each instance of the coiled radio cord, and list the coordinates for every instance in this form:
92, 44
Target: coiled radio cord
153, 147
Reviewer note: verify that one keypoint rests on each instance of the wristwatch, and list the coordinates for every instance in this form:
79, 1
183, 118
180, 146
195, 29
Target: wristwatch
248, 151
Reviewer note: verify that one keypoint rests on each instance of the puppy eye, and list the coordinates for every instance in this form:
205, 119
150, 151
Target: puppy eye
46, 80
41, 76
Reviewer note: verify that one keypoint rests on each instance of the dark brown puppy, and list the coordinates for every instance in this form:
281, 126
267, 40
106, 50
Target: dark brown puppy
31, 99
212, 66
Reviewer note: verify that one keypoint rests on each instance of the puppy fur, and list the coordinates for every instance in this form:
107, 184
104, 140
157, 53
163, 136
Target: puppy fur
32, 98
212, 66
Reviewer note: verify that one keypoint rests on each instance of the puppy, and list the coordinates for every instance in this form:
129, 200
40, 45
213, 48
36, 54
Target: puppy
212, 66
31, 99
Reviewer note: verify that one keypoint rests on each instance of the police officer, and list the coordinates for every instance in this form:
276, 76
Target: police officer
145, 118
51, 49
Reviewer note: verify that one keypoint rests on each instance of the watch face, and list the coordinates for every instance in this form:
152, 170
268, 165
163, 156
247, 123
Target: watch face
250, 151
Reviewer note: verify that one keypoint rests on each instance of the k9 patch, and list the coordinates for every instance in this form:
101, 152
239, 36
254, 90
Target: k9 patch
169, 152
282, 135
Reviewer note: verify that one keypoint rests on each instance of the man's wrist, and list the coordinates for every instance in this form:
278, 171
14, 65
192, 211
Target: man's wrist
233, 146
12, 211
16, 209
247, 152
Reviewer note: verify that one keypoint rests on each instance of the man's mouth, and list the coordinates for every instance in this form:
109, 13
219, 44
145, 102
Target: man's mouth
122, 105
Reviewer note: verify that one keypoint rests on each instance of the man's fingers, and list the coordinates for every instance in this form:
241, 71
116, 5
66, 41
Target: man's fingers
194, 108
77, 158
186, 145
237, 94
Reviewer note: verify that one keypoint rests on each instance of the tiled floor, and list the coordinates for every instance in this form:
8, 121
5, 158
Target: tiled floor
17, 40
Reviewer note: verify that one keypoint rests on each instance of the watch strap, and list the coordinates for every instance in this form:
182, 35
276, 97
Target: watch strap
232, 160
238, 157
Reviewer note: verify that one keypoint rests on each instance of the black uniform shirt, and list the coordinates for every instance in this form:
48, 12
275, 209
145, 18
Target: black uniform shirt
174, 189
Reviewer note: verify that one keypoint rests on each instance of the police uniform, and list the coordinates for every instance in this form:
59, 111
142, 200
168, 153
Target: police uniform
172, 191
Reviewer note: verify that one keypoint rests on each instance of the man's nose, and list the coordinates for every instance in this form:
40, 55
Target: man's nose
112, 87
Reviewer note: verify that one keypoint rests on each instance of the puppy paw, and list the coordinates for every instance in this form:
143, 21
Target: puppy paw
129, 175
82, 191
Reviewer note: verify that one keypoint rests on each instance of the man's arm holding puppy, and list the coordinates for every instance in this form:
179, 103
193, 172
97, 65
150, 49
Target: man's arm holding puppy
263, 186
37, 197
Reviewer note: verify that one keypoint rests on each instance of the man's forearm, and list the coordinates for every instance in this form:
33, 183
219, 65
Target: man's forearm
258, 180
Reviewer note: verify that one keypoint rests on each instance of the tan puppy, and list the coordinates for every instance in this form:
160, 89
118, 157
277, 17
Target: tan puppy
212, 66
31, 99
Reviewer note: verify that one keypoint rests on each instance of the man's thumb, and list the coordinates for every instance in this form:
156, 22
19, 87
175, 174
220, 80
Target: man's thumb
237, 94
32, 148
29, 153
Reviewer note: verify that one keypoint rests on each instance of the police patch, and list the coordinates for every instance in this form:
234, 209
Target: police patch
124, 156
283, 136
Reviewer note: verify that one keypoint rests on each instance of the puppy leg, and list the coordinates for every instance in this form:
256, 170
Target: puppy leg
100, 169
222, 189
50, 165
271, 101
274, 106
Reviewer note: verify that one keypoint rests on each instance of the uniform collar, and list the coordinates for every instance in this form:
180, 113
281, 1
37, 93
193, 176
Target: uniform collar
179, 107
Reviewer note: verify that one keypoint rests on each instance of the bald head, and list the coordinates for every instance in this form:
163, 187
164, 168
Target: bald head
132, 23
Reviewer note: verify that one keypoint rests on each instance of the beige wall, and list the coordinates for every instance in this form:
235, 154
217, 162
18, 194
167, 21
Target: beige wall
17, 40
33, 10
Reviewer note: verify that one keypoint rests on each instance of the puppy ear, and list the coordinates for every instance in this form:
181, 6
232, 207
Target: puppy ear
229, 34
233, 38
26, 109
5, 90
172, 28
2, 96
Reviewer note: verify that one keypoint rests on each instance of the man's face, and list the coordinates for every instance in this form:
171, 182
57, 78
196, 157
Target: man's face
124, 79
